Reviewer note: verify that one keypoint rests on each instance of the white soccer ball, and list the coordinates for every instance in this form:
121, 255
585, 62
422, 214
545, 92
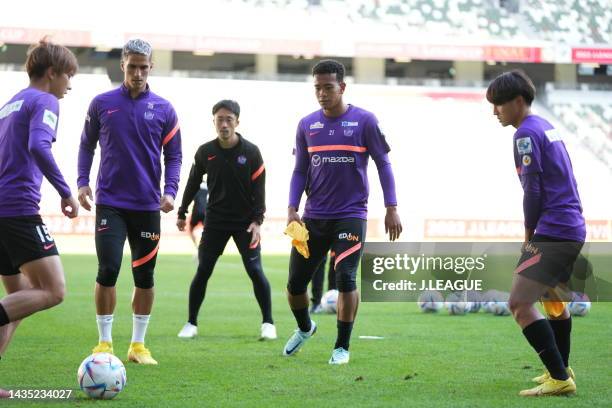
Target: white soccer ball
329, 301
488, 299
456, 305
580, 305
475, 299
474, 307
101, 376
496, 302
458, 308
430, 301
500, 308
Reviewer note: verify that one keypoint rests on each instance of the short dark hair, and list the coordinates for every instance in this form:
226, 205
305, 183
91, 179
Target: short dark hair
508, 86
329, 66
228, 104
45, 54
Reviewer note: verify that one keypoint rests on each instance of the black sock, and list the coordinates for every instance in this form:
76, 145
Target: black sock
562, 330
4, 319
541, 337
303, 319
344, 334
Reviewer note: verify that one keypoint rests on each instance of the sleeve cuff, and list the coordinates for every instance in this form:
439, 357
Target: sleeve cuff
170, 193
66, 194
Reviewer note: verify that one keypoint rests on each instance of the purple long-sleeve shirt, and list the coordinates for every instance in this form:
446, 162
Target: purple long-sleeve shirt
28, 125
532, 199
551, 202
132, 134
331, 161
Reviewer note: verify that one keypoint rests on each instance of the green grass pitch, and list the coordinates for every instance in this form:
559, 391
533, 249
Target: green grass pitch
478, 360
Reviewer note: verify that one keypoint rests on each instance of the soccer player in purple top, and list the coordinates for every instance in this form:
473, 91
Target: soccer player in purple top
30, 265
554, 228
133, 126
332, 149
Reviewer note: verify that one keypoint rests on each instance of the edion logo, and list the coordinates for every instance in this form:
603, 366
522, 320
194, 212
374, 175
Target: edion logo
150, 235
348, 236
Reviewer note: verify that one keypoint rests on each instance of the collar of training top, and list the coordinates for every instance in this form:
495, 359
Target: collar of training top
233, 147
125, 91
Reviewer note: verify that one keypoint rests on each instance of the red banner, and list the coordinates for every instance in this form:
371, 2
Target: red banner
512, 54
592, 55
254, 45
14, 35
450, 52
229, 44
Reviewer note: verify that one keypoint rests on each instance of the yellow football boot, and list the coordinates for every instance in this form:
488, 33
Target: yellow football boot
541, 379
551, 387
103, 347
138, 353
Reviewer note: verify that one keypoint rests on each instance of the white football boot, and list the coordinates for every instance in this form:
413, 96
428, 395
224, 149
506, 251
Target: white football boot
339, 356
297, 340
188, 331
268, 332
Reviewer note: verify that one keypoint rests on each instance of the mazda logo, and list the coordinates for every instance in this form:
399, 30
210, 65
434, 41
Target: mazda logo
316, 160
